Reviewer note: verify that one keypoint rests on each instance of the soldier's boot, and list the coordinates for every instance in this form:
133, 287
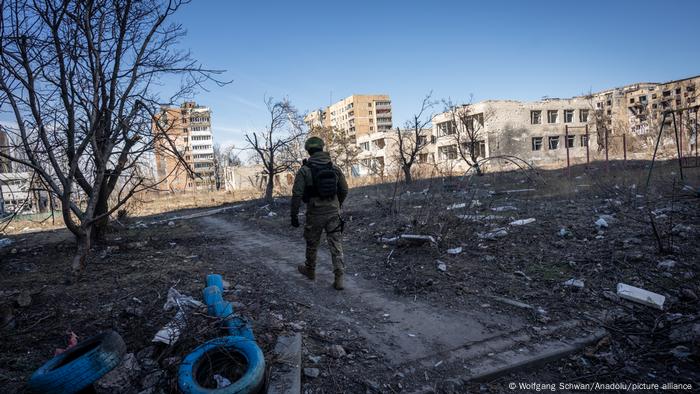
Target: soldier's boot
307, 271
338, 282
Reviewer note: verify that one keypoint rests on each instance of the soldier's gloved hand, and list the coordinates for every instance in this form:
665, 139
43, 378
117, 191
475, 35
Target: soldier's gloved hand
295, 221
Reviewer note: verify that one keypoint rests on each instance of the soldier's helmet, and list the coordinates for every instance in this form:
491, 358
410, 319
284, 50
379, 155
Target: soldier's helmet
313, 143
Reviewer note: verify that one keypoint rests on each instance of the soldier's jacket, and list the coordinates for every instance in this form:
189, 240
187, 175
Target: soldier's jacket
316, 205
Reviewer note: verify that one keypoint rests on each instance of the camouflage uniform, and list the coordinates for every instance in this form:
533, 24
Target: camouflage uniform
321, 215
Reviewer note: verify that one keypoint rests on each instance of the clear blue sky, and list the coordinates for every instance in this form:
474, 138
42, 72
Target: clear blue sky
520, 50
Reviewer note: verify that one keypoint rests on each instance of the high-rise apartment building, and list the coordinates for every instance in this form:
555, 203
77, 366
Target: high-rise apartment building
358, 114
188, 130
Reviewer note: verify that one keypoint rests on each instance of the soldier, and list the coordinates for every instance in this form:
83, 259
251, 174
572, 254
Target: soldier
322, 186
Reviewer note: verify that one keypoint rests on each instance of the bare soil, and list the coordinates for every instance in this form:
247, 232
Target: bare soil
400, 313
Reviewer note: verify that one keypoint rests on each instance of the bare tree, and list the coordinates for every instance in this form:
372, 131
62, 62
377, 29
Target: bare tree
412, 140
277, 146
340, 144
78, 77
468, 133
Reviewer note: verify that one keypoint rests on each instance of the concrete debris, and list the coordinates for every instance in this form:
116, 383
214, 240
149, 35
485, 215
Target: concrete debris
564, 232
666, 264
601, 223
456, 206
494, 234
522, 222
441, 266
641, 296
337, 351
522, 274
312, 372
456, 250
574, 283
271, 214
504, 208
315, 359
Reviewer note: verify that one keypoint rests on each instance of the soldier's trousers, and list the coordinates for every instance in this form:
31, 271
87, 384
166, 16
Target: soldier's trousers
314, 228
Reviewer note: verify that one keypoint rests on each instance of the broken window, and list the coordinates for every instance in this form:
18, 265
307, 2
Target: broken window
667, 93
632, 100
535, 117
552, 116
678, 90
584, 140
643, 99
553, 142
690, 88
446, 128
364, 146
536, 143
568, 115
479, 148
583, 115
448, 152
570, 141
653, 96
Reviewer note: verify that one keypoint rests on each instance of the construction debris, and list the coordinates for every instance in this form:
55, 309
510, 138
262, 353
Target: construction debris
494, 234
522, 222
574, 283
456, 250
641, 296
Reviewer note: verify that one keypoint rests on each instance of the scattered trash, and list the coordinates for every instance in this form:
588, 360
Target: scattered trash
641, 296
170, 333
601, 223
72, 341
478, 218
312, 372
409, 238
456, 250
666, 264
221, 381
574, 283
522, 222
564, 232
271, 214
456, 206
441, 266
494, 234
337, 351
504, 208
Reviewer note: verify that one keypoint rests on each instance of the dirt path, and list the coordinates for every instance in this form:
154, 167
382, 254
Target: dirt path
403, 330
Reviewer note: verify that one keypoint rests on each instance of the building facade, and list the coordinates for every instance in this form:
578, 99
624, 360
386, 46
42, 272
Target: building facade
184, 148
359, 114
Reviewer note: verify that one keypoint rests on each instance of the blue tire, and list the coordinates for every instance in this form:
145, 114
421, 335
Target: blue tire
195, 363
79, 366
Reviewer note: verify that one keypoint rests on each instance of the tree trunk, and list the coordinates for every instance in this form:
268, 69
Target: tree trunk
407, 173
101, 208
269, 188
81, 253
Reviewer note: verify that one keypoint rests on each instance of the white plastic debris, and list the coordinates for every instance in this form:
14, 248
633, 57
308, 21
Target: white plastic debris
221, 381
574, 283
417, 238
441, 266
271, 214
522, 222
666, 264
170, 333
456, 250
456, 206
492, 235
504, 208
641, 296
601, 223
478, 218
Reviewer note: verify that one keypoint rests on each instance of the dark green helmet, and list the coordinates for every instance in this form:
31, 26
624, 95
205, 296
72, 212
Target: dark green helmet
313, 143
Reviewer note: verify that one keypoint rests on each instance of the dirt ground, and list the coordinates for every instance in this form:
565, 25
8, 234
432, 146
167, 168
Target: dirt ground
409, 309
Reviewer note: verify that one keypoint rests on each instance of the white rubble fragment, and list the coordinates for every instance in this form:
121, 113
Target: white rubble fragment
519, 191
492, 235
666, 264
478, 218
418, 238
272, 214
456, 250
641, 296
441, 266
456, 206
504, 208
601, 223
564, 232
574, 283
522, 222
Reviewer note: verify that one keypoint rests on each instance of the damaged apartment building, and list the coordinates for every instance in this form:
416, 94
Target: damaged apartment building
20, 191
616, 124
185, 143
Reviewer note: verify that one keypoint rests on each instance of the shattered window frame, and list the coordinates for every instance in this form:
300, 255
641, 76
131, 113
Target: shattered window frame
537, 143
553, 142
